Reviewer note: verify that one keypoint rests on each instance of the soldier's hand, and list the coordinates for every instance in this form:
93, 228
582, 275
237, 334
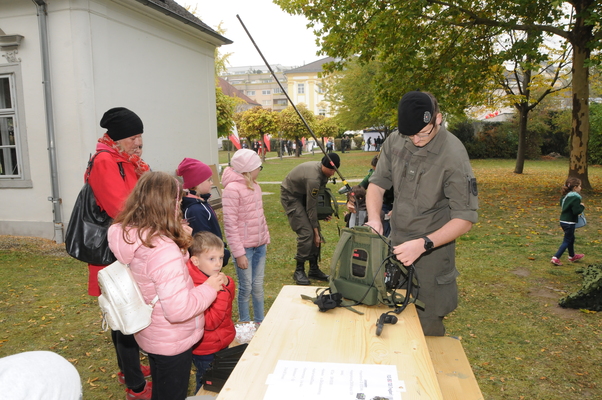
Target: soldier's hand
317, 239
408, 252
376, 225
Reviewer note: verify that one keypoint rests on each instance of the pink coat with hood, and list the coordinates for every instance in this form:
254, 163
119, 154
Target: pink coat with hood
244, 221
177, 319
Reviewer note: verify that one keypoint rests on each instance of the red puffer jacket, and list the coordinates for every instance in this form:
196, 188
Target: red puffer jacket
219, 327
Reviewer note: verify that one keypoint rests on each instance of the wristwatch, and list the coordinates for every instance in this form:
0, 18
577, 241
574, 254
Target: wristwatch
428, 243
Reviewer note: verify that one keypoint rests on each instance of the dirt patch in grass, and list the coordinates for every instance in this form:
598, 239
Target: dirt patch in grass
549, 297
32, 245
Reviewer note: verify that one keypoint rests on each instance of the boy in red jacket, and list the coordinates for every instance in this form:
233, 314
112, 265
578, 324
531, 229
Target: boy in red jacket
206, 259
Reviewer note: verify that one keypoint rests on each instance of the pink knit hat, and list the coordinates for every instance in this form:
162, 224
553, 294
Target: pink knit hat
245, 160
193, 172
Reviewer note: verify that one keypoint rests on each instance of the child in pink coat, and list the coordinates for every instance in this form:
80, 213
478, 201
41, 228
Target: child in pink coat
246, 229
148, 235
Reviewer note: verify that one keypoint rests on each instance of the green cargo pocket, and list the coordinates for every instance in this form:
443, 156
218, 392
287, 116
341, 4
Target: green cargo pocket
448, 278
447, 293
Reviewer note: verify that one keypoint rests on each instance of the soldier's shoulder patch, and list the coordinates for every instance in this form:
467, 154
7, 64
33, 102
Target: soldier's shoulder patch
314, 192
473, 187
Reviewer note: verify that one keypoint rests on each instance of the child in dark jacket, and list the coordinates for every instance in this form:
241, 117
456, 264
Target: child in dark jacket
571, 206
206, 259
198, 179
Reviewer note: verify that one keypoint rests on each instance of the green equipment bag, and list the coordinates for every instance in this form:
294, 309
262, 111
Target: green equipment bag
363, 270
327, 204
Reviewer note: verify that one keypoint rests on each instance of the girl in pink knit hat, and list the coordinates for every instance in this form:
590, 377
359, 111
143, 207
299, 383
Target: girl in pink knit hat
246, 229
197, 178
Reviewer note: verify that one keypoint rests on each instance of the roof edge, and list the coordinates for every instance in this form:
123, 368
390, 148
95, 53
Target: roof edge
185, 21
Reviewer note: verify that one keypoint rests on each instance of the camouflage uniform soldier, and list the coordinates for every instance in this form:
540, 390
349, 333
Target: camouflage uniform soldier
435, 202
299, 197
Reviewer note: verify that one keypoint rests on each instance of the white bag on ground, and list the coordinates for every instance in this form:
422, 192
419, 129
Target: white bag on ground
121, 302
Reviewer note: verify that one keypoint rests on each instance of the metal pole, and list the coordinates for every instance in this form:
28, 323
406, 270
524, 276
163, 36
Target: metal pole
295, 107
54, 181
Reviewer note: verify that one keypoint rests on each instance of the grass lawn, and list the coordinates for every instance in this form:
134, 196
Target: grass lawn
520, 344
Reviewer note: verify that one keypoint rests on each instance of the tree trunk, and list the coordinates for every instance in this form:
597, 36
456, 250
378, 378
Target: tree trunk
523, 112
579, 139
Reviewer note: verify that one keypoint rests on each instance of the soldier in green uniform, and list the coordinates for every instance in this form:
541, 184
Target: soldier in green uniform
435, 202
299, 197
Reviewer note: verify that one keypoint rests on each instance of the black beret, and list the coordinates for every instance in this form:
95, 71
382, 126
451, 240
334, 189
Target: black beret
335, 159
121, 123
415, 111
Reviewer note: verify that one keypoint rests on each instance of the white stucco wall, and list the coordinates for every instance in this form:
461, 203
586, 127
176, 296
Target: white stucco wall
107, 54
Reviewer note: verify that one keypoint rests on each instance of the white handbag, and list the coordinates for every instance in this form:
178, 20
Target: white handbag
121, 302
581, 222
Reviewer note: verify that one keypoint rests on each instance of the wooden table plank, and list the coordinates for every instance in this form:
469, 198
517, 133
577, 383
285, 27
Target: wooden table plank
455, 376
294, 329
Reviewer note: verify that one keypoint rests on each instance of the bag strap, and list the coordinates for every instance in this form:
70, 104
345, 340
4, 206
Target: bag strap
333, 201
91, 164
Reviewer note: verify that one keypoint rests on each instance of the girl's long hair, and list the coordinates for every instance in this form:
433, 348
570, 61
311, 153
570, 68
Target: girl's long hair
250, 181
153, 208
570, 185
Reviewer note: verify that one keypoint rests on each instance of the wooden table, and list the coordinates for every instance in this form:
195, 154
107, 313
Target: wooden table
294, 329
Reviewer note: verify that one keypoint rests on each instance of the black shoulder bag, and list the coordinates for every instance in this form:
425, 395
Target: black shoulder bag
86, 235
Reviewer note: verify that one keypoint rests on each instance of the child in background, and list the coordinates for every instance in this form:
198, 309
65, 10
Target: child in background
206, 259
571, 207
356, 204
196, 209
149, 236
246, 229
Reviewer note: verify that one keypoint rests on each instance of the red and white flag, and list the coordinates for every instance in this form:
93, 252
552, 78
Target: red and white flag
266, 140
234, 137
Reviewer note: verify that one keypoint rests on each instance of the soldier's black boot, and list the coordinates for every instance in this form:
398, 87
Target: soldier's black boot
315, 272
299, 275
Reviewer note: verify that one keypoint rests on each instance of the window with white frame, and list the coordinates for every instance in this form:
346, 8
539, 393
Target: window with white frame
266, 102
277, 90
14, 168
300, 88
250, 93
322, 111
266, 91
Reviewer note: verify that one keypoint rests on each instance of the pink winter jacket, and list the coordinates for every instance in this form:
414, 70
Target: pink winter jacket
177, 320
244, 221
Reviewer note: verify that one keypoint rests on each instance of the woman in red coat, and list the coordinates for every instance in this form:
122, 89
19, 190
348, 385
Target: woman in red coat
117, 167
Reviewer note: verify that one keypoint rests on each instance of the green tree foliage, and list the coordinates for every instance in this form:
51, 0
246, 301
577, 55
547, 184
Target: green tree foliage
445, 46
256, 122
354, 96
225, 106
326, 127
291, 126
595, 152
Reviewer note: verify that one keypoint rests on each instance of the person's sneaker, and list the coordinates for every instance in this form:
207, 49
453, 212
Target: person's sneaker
576, 257
555, 261
146, 394
145, 371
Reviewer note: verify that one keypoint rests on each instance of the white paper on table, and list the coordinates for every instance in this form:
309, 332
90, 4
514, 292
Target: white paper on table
301, 380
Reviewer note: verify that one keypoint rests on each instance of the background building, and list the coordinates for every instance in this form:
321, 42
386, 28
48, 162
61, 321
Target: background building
305, 85
258, 83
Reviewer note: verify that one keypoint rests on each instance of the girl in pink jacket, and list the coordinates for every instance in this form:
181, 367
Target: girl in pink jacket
246, 229
148, 235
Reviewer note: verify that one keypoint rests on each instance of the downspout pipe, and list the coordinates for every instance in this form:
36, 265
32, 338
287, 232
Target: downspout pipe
50, 136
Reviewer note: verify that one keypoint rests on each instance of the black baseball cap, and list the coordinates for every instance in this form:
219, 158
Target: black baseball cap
416, 110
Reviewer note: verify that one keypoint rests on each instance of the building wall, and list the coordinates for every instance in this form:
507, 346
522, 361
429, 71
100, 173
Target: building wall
253, 85
106, 54
312, 97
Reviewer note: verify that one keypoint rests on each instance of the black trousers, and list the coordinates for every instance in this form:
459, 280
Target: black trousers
171, 375
128, 359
